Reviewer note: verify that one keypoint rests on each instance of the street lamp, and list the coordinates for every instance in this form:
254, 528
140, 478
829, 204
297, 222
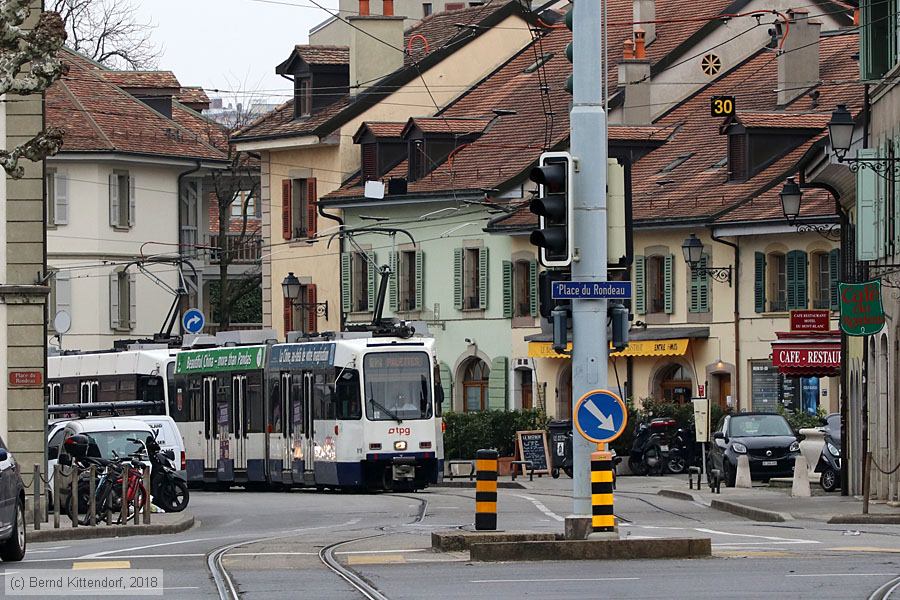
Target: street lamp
692, 248
840, 134
791, 197
291, 287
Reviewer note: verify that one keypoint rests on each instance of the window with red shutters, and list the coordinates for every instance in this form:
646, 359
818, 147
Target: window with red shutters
288, 316
311, 206
369, 162
286, 229
737, 157
311, 299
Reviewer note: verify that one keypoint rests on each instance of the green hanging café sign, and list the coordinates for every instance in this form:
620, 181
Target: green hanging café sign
861, 310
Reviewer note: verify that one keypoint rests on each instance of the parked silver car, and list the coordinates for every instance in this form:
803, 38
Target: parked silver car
12, 507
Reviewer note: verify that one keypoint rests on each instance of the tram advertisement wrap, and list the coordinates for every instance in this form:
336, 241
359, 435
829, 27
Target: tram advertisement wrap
225, 359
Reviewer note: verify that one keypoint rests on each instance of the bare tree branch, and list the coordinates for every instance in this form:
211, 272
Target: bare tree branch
109, 32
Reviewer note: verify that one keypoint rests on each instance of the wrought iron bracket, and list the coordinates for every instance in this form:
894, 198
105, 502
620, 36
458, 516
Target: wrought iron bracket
321, 308
720, 274
888, 168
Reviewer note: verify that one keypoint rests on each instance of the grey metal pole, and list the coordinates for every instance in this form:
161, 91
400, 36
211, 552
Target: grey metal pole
590, 351
36, 488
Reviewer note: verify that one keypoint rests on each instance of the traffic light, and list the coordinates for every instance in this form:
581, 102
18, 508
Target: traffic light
553, 205
570, 50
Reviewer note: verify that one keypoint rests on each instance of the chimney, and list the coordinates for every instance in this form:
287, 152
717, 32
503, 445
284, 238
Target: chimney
798, 64
640, 44
364, 8
376, 43
388, 8
645, 10
634, 77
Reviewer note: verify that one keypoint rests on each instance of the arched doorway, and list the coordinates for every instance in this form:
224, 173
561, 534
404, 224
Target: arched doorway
564, 393
674, 384
476, 374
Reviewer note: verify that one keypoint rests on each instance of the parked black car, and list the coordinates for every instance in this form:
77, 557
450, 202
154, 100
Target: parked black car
767, 439
12, 508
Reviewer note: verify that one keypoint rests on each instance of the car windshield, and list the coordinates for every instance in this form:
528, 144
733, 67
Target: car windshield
758, 426
397, 386
109, 444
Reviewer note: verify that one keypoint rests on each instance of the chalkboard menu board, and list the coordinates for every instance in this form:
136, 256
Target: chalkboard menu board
533, 446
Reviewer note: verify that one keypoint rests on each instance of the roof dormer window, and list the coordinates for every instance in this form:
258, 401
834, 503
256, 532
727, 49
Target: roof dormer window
302, 97
737, 157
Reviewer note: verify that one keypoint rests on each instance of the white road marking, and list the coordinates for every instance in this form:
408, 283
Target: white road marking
840, 575
230, 523
759, 537
542, 508
128, 556
735, 544
186, 587
554, 580
230, 554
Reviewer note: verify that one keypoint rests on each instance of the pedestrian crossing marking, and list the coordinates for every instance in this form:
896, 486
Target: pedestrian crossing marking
865, 549
101, 564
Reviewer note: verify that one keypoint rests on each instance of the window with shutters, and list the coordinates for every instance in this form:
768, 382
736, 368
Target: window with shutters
299, 208
50, 183
359, 285
122, 300
407, 277
776, 277
418, 160
655, 284
699, 287
737, 157
471, 279
304, 318
121, 200
302, 97
523, 290
820, 280
369, 161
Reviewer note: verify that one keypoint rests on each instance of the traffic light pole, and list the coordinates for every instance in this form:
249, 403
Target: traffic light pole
590, 347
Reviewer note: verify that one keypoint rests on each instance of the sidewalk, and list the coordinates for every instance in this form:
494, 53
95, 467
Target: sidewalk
161, 523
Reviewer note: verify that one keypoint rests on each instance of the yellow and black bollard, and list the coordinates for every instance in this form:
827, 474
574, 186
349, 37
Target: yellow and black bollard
603, 518
486, 490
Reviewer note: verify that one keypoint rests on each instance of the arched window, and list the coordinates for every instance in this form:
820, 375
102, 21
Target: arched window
564, 393
674, 384
475, 385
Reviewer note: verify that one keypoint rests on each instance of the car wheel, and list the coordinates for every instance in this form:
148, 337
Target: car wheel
730, 475
13, 549
829, 481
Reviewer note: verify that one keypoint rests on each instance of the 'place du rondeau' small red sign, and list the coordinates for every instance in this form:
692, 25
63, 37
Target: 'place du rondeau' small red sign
24, 378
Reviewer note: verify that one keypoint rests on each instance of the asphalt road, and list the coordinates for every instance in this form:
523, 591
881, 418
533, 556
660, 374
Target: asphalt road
275, 539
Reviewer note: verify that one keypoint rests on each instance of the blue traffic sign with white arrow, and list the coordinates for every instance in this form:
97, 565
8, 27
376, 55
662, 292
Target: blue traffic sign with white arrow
193, 320
600, 416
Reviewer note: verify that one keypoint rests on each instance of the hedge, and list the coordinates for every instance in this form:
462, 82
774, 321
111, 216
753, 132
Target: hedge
469, 432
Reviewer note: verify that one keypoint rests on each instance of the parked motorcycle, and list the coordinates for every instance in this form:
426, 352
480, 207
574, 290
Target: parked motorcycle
829, 464
651, 451
168, 489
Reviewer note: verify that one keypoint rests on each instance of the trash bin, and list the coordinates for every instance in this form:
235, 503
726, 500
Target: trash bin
560, 447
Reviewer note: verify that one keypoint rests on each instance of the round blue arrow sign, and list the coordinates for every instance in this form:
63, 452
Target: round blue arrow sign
600, 416
193, 320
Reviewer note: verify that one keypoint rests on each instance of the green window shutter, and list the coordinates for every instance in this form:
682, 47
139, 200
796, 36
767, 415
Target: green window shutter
866, 209
420, 279
346, 279
640, 285
669, 272
483, 278
507, 289
896, 212
759, 282
834, 276
533, 288
393, 287
700, 288
497, 384
373, 280
880, 211
458, 278
797, 288
446, 385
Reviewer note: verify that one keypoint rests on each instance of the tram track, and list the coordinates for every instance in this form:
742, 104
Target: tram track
227, 589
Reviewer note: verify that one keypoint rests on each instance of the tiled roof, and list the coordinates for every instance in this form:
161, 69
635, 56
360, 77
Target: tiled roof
783, 120
141, 79
455, 126
192, 95
441, 28
97, 116
324, 55
380, 129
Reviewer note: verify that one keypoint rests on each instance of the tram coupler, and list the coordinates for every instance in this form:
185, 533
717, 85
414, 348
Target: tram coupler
403, 470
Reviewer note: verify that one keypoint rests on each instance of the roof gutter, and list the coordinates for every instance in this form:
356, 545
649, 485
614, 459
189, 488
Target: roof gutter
340, 223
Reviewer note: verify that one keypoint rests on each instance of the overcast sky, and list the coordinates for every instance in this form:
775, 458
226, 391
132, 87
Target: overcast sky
225, 44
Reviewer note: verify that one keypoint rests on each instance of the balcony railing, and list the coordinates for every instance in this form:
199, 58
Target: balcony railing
242, 251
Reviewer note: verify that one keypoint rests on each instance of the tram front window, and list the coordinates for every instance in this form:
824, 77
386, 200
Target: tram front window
397, 386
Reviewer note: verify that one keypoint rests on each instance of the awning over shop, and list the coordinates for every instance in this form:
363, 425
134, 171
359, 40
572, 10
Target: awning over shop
663, 341
807, 355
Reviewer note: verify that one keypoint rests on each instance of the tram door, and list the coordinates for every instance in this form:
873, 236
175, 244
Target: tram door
210, 423
241, 417
309, 430
284, 451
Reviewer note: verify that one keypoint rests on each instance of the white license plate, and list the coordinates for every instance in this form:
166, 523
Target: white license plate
770, 463
664, 448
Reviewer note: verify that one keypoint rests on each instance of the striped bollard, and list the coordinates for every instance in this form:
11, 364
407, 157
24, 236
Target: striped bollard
486, 490
603, 518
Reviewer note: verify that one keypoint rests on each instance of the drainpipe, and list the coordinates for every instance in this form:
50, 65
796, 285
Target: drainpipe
181, 178
737, 316
340, 223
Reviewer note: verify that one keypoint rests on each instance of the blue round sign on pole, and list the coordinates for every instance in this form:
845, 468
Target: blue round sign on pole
193, 320
600, 416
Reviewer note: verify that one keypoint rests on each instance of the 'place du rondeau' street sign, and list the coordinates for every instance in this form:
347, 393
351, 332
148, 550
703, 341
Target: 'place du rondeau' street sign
591, 290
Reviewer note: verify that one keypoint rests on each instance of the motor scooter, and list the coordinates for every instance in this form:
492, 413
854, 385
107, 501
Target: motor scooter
651, 449
829, 464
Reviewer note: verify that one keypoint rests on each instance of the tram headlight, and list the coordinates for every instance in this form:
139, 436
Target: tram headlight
401, 445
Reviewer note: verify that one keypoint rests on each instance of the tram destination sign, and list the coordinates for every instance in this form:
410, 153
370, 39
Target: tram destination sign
591, 290
301, 356
247, 358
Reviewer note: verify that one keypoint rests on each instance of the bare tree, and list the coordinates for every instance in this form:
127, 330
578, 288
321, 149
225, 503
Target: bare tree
109, 32
28, 65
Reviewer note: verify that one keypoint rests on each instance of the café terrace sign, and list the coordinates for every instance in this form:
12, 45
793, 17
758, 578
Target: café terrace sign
861, 309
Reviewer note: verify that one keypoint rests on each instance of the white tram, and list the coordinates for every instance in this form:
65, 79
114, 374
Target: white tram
345, 411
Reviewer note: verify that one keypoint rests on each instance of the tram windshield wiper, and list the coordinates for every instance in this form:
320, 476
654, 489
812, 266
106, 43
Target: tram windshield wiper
390, 413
